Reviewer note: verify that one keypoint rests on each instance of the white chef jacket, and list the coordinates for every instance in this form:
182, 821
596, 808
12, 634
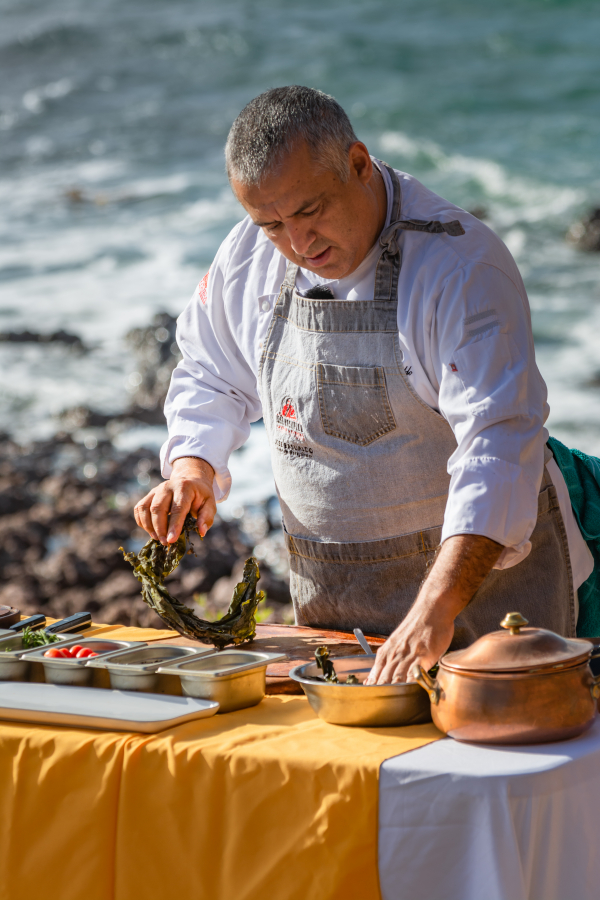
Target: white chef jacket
465, 333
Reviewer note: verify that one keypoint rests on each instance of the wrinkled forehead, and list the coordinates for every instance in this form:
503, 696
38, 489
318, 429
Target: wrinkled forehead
296, 181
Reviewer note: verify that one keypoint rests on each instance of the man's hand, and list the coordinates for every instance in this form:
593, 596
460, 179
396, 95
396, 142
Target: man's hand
162, 512
426, 633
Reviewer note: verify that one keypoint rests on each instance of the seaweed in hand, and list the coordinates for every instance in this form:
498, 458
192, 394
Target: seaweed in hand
155, 561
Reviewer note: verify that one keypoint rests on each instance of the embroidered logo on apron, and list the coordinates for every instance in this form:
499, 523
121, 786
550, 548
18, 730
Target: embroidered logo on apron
291, 438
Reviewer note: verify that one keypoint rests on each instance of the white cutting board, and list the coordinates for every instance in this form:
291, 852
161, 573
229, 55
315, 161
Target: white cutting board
62, 704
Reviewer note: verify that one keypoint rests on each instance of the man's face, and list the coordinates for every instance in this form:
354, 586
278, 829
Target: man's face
317, 221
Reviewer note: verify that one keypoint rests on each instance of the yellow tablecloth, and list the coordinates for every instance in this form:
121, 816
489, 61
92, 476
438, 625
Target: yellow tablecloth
268, 803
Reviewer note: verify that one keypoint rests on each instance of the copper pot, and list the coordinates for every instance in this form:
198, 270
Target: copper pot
518, 686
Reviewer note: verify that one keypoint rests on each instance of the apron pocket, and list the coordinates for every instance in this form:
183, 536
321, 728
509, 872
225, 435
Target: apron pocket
354, 403
366, 584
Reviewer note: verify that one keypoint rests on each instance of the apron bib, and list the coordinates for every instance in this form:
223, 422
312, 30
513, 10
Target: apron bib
360, 465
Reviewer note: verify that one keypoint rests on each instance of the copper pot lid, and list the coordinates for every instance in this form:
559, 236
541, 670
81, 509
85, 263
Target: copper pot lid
518, 649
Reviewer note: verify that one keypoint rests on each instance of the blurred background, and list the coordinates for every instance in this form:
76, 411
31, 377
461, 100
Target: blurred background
113, 201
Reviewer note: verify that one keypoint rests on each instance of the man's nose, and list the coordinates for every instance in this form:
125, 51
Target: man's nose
302, 237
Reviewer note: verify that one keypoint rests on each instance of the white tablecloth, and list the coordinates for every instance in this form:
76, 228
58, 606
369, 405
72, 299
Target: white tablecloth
470, 822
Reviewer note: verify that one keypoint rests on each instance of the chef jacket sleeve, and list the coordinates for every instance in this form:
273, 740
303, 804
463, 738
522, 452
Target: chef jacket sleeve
492, 394
213, 395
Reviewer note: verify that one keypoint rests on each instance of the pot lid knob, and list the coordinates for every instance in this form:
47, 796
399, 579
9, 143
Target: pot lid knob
515, 621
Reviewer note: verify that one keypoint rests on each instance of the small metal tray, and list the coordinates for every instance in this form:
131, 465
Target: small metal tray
362, 704
81, 707
12, 666
235, 679
136, 670
75, 671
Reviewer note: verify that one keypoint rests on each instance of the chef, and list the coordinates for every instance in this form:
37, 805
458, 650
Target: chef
384, 336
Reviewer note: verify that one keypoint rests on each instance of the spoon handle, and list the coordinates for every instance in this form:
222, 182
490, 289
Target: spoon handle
363, 641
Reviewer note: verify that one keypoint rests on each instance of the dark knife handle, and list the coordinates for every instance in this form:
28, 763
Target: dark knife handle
78, 622
33, 622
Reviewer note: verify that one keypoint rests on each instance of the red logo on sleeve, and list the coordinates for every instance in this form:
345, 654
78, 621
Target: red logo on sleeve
203, 289
453, 367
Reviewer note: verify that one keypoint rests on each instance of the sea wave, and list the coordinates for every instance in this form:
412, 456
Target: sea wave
515, 199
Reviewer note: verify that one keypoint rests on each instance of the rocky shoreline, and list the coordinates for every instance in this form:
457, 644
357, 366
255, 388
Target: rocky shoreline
66, 506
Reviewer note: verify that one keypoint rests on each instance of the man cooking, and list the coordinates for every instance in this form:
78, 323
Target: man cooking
384, 336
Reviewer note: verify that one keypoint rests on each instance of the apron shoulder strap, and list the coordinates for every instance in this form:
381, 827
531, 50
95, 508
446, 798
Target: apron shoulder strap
390, 261
287, 286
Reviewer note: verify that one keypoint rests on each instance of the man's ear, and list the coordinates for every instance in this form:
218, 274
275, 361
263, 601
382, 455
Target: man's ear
359, 162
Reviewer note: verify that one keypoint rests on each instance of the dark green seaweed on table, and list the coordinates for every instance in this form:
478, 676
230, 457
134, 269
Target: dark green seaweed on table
325, 664
327, 667
152, 565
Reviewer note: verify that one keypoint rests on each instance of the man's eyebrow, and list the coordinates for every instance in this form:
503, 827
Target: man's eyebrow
300, 209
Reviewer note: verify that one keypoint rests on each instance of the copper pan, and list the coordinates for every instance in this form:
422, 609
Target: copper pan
518, 686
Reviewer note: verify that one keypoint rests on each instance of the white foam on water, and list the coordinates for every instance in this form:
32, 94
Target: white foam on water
516, 199
251, 474
531, 217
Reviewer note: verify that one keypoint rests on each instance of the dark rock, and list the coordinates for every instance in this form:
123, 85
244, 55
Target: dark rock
34, 337
66, 508
585, 234
480, 212
60, 533
117, 586
156, 354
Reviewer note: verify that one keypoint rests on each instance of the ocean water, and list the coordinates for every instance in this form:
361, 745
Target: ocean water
113, 197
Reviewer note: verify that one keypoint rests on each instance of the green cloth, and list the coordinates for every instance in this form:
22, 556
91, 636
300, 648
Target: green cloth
582, 475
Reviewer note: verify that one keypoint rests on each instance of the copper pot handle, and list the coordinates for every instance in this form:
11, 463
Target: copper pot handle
595, 687
429, 684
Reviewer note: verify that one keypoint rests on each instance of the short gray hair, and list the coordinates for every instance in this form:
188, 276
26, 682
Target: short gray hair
273, 124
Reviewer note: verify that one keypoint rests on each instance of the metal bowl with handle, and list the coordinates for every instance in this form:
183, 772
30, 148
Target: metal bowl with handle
361, 704
516, 686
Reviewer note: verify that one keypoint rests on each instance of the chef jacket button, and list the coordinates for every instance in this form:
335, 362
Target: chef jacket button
265, 306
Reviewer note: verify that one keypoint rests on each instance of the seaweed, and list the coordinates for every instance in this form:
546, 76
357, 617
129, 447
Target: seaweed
155, 562
325, 664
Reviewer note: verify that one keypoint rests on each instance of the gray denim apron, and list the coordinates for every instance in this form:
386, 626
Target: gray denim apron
360, 464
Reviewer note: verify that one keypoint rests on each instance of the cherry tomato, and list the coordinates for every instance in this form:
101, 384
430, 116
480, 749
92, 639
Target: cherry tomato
85, 651
53, 653
93, 654
75, 649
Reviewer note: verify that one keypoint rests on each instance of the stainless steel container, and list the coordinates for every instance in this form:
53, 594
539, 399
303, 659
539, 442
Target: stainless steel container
12, 666
137, 670
361, 704
234, 678
75, 671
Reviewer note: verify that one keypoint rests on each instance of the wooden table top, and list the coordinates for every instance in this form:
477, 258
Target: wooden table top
299, 644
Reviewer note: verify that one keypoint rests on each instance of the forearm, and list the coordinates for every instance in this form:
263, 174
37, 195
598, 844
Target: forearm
427, 630
462, 564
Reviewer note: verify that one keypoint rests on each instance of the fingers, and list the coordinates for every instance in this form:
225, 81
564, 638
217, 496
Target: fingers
196, 498
392, 664
160, 509
152, 511
143, 515
206, 515
181, 505
378, 665
162, 512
